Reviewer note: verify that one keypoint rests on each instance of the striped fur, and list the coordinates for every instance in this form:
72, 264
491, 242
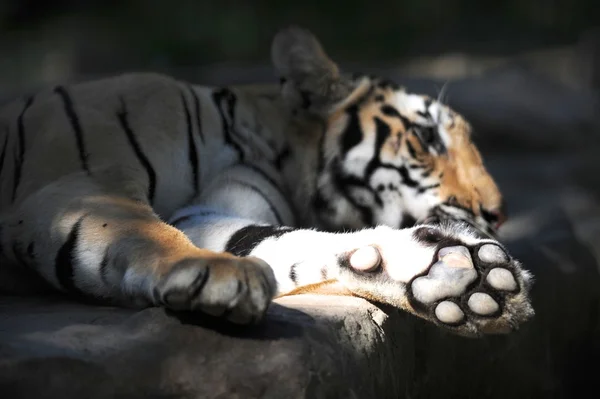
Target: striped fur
144, 190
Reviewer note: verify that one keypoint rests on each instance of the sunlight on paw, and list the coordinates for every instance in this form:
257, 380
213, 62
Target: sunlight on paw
456, 257
365, 259
501, 279
482, 304
448, 312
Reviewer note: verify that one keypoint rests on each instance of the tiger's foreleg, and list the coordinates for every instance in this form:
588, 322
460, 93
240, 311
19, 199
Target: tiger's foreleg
446, 274
103, 241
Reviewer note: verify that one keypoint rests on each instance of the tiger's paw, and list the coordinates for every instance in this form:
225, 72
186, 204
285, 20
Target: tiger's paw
233, 288
469, 285
474, 289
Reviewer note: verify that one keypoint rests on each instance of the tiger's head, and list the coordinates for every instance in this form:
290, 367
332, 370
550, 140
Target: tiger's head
387, 157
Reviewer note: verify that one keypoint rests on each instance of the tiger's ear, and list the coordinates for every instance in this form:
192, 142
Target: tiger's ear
310, 79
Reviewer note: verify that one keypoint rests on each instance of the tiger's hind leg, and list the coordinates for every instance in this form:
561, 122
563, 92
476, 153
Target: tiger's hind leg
99, 241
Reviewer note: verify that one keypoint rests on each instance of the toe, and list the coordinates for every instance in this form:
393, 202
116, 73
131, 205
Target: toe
365, 259
482, 304
448, 312
492, 253
179, 287
501, 279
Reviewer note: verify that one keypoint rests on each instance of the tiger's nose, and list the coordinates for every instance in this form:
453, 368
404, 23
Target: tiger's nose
497, 216
500, 217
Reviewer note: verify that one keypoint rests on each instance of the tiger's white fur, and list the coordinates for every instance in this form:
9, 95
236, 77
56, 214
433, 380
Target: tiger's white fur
257, 184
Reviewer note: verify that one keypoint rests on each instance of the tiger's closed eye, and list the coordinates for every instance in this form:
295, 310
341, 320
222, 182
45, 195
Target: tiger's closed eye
424, 133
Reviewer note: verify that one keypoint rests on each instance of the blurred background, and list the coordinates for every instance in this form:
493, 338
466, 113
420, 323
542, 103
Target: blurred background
44, 41
539, 59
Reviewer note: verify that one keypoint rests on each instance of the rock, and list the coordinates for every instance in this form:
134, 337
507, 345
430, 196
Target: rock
312, 346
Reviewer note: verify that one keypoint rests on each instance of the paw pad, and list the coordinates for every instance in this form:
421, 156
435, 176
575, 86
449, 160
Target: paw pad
447, 277
491, 253
469, 288
482, 304
456, 257
365, 259
449, 312
501, 279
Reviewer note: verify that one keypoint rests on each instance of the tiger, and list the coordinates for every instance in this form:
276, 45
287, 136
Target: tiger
142, 190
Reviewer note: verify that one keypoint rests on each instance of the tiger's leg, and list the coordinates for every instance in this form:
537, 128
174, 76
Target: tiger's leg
101, 242
445, 274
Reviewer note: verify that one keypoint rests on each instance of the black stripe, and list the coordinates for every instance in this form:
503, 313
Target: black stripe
270, 180
122, 116
264, 175
321, 163
452, 202
74, 120
422, 189
393, 112
183, 219
324, 273
411, 150
322, 204
269, 203
243, 241
404, 174
353, 133
343, 183
3, 154
66, 261
199, 282
382, 133
198, 113
426, 172
221, 98
192, 154
293, 275
425, 114
407, 220
427, 135
104, 267
21, 149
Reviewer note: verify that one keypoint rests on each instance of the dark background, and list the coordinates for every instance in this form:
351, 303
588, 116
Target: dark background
44, 41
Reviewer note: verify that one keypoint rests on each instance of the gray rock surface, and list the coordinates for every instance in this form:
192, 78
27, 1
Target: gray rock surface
313, 346
329, 347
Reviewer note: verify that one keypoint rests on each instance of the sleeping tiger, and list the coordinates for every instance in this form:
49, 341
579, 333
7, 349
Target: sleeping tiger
142, 190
